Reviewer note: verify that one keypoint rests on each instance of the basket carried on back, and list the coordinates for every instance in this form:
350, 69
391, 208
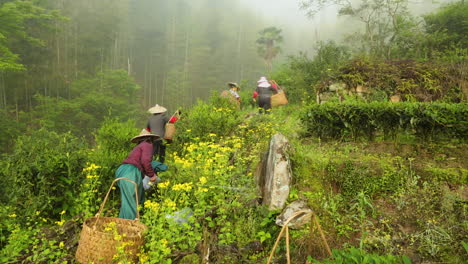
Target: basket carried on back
279, 99
170, 129
102, 236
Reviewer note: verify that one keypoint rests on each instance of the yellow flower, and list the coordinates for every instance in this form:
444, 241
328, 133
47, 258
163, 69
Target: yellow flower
203, 180
144, 258
63, 212
12, 215
163, 185
182, 186
154, 206
60, 223
202, 189
61, 244
171, 204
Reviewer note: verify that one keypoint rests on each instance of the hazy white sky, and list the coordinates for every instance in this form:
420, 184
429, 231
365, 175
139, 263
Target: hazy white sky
301, 31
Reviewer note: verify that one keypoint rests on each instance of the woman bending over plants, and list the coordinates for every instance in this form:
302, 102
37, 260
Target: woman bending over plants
138, 163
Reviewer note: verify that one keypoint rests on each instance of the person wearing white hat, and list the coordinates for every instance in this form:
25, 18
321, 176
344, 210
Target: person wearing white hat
134, 168
263, 93
157, 125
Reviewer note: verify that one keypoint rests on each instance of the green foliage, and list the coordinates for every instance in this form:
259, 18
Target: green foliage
17, 242
267, 43
112, 146
359, 119
368, 175
202, 180
413, 80
299, 76
9, 130
219, 117
17, 24
32, 241
448, 26
44, 169
109, 94
358, 256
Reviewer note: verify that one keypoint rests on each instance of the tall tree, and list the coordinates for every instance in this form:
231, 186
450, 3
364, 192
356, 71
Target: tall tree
21, 25
267, 44
384, 21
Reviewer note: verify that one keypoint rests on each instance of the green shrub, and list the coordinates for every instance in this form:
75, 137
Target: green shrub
372, 178
111, 93
359, 119
9, 130
219, 117
358, 256
300, 74
112, 147
43, 171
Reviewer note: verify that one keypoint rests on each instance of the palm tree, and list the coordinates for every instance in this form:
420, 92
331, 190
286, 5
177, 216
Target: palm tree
266, 44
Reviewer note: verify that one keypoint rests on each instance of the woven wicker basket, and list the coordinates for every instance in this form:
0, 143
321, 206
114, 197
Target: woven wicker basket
279, 99
170, 131
97, 241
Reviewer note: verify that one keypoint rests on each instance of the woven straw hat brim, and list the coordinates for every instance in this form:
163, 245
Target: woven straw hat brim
135, 139
144, 133
157, 109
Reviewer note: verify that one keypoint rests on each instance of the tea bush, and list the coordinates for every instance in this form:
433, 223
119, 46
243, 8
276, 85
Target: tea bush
360, 119
358, 256
44, 169
9, 130
376, 177
113, 144
219, 117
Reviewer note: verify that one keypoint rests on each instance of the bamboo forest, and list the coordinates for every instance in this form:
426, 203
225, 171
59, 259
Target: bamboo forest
233, 131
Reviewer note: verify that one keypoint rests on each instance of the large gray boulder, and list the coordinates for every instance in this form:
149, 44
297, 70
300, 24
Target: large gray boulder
274, 173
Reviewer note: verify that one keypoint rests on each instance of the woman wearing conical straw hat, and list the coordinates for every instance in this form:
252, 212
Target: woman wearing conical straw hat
157, 125
137, 164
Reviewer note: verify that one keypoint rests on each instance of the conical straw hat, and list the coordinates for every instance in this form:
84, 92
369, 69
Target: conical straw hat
157, 109
233, 84
143, 133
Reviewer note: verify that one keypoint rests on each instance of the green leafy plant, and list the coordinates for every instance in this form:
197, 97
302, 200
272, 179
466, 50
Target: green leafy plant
358, 256
45, 169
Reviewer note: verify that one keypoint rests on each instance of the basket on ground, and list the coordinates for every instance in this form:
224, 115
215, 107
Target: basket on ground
279, 99
101, 237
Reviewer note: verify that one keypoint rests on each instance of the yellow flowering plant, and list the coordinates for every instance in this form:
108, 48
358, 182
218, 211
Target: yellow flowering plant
89, 199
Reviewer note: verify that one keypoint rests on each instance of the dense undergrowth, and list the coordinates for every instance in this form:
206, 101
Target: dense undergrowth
388, 181
376, 200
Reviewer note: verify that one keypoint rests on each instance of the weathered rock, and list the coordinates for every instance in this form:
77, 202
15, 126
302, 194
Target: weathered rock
290, 210
336, 87
276, 179
361, 89
395, 98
